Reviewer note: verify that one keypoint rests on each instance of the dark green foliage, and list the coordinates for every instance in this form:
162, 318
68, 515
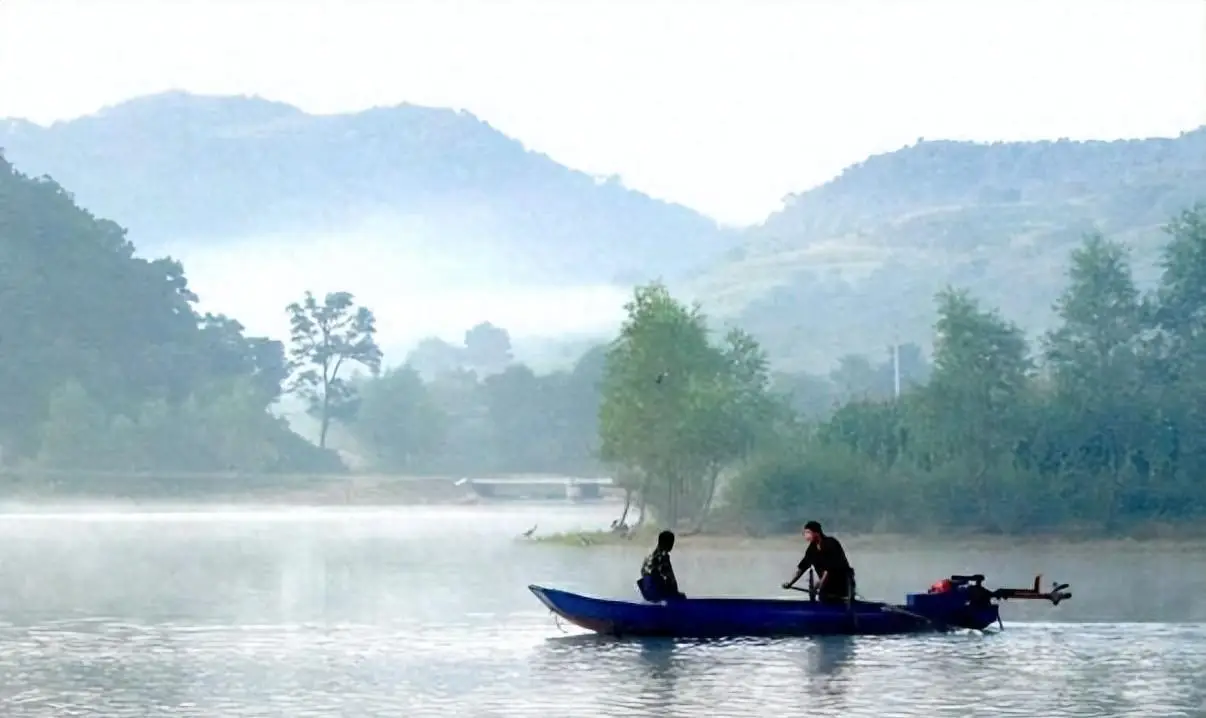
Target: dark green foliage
854, 378
1105, 428
399, 423
811, 479
106, 365
463, 423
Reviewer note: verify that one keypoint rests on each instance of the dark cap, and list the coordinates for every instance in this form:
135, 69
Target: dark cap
813, 526
665, 539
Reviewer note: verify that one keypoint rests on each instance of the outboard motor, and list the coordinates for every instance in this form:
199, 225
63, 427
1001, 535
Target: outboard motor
943, 586
963, 601
947, 597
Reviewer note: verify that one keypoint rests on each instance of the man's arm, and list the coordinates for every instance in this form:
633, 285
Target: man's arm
840, 553
665, 571
804, 565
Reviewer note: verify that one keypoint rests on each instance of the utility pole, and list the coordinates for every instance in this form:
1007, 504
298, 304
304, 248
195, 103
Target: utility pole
896, 369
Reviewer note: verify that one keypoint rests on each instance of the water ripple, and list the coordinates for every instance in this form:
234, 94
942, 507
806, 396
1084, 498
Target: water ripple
118, 669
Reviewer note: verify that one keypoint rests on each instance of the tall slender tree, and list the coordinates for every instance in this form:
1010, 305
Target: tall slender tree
324, 339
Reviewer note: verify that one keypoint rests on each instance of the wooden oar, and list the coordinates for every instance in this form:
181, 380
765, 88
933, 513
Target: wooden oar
812, 595
811, 590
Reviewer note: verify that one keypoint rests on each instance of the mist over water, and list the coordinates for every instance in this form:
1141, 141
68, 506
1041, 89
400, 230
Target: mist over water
425, 612
418, 281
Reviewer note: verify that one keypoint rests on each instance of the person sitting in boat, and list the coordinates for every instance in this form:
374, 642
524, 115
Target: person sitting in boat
657, 581
827, 558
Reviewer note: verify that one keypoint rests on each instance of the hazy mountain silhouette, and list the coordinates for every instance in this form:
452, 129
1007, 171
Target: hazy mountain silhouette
846, 267
855, 263
179, 169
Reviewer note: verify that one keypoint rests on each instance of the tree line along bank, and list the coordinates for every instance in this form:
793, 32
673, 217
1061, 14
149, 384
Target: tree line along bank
109, 366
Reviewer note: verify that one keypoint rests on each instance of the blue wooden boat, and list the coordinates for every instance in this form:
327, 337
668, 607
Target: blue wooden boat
960, 602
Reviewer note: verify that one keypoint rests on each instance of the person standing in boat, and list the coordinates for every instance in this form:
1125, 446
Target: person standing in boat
827, 558
657, 582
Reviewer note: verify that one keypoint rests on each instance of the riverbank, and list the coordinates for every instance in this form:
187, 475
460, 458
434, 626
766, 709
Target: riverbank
1173, 537
256, 489
319, 490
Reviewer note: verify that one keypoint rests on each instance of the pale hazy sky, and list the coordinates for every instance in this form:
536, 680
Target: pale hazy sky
723, 105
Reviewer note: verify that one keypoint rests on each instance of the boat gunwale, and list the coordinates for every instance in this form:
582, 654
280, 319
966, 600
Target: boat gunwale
549, 597
542, 592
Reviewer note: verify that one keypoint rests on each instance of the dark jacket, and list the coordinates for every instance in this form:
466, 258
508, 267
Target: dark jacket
658, 582
828, 557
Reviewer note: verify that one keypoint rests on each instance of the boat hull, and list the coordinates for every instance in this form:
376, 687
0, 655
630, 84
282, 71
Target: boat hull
733, 617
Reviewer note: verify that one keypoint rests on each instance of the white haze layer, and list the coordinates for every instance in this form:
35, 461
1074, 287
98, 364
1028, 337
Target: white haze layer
416, 287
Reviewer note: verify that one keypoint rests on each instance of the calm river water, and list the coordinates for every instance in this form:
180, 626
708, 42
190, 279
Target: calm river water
425, 612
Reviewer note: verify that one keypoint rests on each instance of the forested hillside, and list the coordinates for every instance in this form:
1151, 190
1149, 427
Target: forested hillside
844, 269
105, 364
178, 168
854, 264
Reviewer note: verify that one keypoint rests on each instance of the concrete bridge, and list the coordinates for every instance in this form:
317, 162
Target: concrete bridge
574, 489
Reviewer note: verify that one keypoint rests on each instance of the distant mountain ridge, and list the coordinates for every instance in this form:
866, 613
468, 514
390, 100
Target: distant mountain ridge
853, 265
177, 167
950, 173
847, 267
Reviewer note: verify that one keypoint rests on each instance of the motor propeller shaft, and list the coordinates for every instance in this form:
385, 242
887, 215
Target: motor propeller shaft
1059, 592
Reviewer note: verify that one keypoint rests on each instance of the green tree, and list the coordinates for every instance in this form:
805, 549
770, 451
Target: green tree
1097, 343
1182, 293
1179, 370
104, 352
468, 436
975, 406
675, 409
323, 339
1095, 360
777, 490
580, 407
227, 353
398, 421
433, 356
732, 412
514, 421
74, 435
855, 377
645, 394
544, 423
237, 433
487, 348
523, 413
811, 396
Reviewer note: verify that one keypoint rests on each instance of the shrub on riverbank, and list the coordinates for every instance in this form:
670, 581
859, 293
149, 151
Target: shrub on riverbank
641, 536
